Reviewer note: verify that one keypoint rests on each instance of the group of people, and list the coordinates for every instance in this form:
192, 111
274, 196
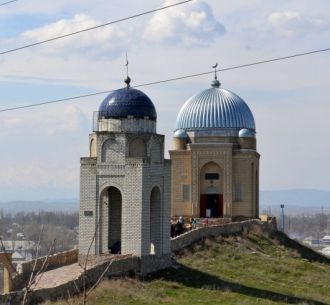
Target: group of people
179, 226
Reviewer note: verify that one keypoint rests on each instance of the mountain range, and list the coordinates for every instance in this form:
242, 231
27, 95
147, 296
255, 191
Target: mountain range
298, 201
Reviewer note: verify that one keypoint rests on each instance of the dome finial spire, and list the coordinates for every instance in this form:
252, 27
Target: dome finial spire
215, 83
128, 79
215, 71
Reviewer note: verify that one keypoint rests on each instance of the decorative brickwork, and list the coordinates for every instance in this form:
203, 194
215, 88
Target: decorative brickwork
237, 166
125, 193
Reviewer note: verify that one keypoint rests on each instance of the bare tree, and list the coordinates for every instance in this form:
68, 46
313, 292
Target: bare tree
36, 274
38, 271
85, 292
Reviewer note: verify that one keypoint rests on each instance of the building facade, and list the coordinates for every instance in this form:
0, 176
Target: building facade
129, 191
215, 164
125, 181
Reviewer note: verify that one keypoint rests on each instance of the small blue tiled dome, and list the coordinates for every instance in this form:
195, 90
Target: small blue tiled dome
215, 108
126, 102
246, 133
180, 134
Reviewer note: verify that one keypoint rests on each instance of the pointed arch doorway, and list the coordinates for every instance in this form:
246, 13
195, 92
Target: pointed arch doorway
114, 216
155, 221
211, 197
110, 220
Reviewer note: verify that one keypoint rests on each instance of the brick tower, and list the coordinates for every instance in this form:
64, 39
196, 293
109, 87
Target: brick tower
125, 182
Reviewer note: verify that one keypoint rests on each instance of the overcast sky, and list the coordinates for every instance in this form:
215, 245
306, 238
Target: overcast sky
41, 147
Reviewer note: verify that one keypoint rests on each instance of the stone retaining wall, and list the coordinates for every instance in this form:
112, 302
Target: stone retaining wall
57, 260
53, 261
130, 265
120, 266
153, 263
193, 236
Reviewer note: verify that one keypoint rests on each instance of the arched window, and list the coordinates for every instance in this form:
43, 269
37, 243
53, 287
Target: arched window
105, 150
112, 151
156, 152
138, 148
92, 148
238, 194
155, 221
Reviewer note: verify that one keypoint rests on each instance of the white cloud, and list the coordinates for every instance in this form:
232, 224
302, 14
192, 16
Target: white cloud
35, 7
95, 61
192, 23
95, 38
43, 146
290, 23
283, 18
58, 120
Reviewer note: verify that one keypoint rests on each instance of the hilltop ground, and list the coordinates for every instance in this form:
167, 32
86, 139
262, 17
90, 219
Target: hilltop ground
246, 269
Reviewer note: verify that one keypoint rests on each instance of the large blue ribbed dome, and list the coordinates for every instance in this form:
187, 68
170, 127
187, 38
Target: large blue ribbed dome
215, 108
127, 102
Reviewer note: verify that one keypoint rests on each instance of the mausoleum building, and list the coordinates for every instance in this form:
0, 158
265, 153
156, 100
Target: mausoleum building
215, 164
129, 191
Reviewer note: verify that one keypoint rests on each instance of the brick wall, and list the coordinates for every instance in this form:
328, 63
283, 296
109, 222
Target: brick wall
245, 165
119, 267
87, 212
181, 174
132, 264
193, 236
53, 261
135, 177
25, 269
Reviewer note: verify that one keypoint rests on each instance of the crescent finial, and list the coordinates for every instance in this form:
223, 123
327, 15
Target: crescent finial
128, 79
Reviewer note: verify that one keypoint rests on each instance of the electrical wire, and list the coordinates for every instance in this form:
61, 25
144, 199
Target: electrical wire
92, 28
8, 2
169, 79
235, 67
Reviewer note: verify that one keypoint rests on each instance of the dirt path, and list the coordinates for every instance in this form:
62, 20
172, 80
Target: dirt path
58, 276
65, 274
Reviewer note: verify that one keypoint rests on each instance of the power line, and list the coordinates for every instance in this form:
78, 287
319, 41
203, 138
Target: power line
8, 2
92, 28
57, 101
235, 67
169, 79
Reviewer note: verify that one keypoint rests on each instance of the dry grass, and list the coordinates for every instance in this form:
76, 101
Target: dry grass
248, 269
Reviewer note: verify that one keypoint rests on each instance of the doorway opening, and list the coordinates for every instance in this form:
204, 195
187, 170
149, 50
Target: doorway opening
211, 186
155, 221
114, 227
211, 205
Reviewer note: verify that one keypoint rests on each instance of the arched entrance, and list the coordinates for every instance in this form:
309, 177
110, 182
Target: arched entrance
211, 195
111, 214
155, 221
114, 228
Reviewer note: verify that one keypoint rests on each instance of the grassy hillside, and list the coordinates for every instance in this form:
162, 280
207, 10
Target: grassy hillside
247, 269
